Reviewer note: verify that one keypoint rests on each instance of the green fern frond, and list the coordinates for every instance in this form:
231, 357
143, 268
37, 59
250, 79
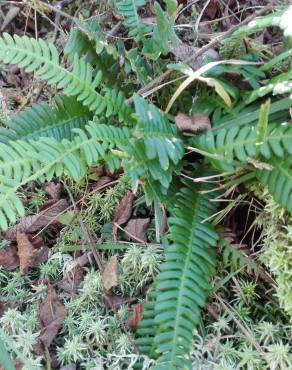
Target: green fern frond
279, 19
155, 152
22, 162
129, 10
41, 120
241, 142
79, 43
279, 181
184, 280
43, 59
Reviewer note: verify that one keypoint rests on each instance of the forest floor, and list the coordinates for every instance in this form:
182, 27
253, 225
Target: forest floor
75, 271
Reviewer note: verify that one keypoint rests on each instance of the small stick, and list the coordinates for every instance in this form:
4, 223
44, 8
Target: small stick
244, 329
86, 233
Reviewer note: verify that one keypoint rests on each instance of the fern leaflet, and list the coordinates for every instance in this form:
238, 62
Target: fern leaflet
41, 120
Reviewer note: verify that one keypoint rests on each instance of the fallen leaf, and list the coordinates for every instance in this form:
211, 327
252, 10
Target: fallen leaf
136, 317
195, 123
136, 229
9, 259
36, 222
123, 211
116, 301
109, 275
53, 190
11, 14
212, 9
4, 306
52, 314
72, 280
30, 255
183, 51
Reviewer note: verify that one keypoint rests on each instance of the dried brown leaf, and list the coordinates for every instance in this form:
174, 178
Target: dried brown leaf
30, 255
136, 316
11, 14
123, 211
109, 275
116, 301
53, 190
9, 259
36, 222
136, 229
196, 123
51, 314
72, 280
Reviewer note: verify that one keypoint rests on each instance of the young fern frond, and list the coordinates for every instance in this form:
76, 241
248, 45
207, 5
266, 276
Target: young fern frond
41, 120
22, 162
183, 283
279, 181
43, 59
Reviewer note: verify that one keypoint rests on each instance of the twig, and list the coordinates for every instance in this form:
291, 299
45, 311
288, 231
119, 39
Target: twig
100, 188
249, 335
200, 52
130, 235
88, 238
99, 262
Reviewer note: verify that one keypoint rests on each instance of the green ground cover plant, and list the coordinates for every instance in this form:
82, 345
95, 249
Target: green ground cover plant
183, 149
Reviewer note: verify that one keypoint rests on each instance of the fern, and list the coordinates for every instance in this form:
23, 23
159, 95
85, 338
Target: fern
241, 142
279, 181
22, 162
129, 10
155, 151
184, 280
43, 59
43, 121
279, 19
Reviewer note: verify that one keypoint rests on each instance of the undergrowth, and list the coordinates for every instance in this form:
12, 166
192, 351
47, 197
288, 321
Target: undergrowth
184, 152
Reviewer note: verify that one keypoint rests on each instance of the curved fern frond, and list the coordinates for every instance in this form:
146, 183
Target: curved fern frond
41, 120
279, 181
43, 59
184, 281
241, 142
22, 162
129, 10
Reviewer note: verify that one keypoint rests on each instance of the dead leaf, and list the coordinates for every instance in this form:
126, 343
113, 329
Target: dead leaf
9, 259
72, 280
30, 255
36, 222
11, 14
136, 229
137, 316
183, 52
53, 190
109, 275
195, 123
116, 301
52, 314
123, 211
